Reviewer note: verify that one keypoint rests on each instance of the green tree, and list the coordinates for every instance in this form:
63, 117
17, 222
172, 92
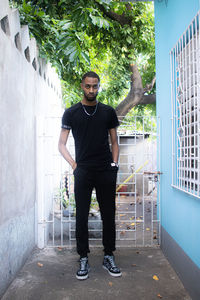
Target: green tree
113, 38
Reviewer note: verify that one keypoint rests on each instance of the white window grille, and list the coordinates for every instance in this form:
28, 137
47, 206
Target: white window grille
185, 94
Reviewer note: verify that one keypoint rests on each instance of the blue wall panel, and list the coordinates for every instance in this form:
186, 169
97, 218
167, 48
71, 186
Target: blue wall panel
180, 213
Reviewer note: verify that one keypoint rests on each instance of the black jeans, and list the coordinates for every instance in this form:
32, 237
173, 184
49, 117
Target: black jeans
104, 183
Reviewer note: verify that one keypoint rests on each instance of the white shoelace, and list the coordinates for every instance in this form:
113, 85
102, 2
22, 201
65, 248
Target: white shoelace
111, 261
83, 264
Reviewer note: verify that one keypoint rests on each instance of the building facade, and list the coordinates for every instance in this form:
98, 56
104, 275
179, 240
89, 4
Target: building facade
178, 103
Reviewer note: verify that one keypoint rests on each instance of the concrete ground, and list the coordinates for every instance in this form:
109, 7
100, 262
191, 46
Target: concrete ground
49, 274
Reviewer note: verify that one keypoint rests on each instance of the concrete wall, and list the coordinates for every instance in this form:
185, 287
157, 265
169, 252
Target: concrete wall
179, 211
28, 88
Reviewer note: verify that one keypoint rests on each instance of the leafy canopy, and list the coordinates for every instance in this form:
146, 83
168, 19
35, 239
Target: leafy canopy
101, 35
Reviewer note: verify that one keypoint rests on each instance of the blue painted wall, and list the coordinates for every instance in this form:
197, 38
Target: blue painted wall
180, 213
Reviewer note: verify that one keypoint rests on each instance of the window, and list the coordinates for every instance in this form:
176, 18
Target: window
185, 92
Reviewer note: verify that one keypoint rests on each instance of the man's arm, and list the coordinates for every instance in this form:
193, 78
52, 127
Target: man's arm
63, 149
114, 144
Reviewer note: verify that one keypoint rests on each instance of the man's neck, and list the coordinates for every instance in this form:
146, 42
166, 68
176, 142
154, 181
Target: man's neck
89, 103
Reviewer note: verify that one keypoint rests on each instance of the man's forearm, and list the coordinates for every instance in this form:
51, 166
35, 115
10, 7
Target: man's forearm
115, 152
67, 156
114, 144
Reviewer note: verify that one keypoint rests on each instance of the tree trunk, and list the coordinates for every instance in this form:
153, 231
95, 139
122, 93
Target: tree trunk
136, 94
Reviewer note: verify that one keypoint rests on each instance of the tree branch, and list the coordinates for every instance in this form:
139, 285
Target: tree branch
128, 6
149, 87
148, 99
136, 94
121, 19
136, 80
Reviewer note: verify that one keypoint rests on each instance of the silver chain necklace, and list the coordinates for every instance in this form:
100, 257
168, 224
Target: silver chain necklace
87, 112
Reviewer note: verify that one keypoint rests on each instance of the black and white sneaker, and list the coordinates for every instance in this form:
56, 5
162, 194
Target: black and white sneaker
82, 273
110, 266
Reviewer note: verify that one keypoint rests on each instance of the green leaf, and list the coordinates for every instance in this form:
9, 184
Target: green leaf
100, 22
73, 55
67, 25
86, 57
69, 50
40, 13
105, 1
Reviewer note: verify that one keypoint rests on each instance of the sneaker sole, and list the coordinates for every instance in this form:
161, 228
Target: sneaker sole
82, 277
112, 274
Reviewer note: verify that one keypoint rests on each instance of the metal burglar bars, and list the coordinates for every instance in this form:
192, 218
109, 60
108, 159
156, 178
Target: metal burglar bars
185, 93
137, 193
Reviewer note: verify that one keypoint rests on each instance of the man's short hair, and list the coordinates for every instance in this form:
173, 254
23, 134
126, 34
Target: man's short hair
91, 74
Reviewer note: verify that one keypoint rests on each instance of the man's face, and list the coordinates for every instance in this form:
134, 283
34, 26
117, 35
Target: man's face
90, 87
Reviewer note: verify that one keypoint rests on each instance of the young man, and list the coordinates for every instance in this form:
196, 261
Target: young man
95, 166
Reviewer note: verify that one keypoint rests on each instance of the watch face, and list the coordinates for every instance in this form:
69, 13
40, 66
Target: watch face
114, 164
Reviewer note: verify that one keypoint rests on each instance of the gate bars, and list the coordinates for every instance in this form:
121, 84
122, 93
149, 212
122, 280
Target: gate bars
137, 192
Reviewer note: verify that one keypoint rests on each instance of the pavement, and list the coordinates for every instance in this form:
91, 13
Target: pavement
49, 274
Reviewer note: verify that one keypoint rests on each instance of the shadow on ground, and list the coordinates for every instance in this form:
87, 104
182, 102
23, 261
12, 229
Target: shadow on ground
49, 274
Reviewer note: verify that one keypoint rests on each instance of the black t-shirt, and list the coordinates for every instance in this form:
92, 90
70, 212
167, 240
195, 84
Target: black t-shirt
91, 133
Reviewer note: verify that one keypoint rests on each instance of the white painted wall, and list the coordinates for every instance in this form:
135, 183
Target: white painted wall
25, 97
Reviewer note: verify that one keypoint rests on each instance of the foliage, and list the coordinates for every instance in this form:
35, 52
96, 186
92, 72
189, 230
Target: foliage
69, 203
141, 118
78, 36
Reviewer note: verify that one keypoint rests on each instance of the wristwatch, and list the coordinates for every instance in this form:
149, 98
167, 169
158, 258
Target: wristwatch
114, 164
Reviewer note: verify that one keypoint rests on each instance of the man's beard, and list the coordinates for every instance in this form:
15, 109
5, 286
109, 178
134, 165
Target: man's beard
91, 99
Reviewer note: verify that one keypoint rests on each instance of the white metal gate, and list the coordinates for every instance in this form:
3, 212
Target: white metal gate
137, 192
